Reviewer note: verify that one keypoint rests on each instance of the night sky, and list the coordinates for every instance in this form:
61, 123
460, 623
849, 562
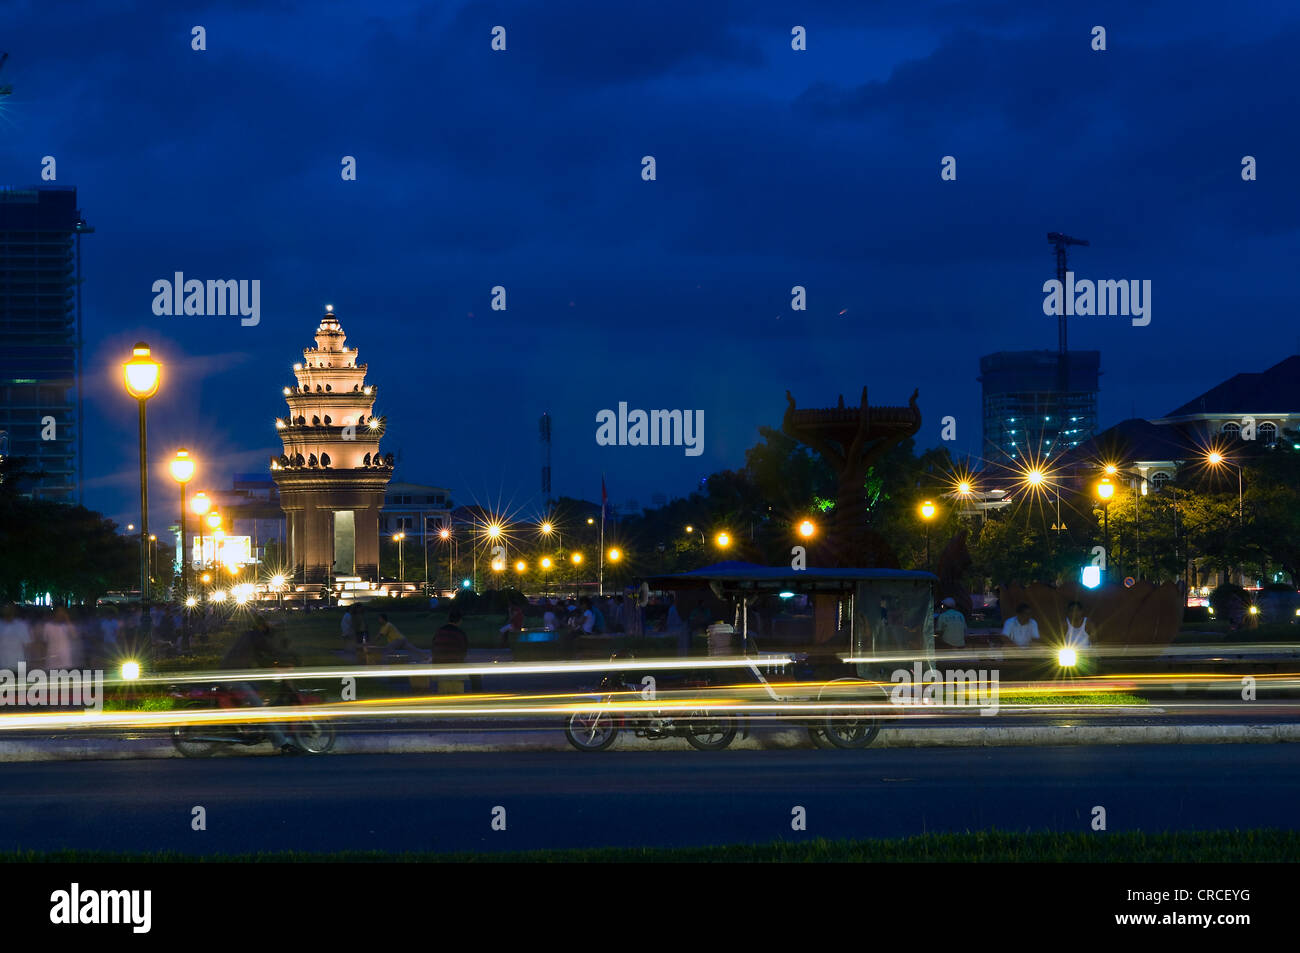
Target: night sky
775, 168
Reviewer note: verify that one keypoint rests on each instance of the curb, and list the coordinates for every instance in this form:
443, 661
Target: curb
508, 740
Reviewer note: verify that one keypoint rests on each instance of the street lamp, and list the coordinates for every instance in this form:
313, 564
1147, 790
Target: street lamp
401, 565
214, 524
927, 514
141, 375
200, 504
182, 468
1215, 459
1106, 490
807, 529
723, 540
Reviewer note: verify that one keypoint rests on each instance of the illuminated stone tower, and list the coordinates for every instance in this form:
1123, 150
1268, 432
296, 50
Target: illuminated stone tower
331, 475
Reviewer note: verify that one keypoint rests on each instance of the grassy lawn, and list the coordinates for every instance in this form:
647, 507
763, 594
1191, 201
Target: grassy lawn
1250, 846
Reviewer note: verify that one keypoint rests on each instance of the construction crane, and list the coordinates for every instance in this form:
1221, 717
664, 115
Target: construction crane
1062, 241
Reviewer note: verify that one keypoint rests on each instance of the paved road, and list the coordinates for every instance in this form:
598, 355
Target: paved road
444, 802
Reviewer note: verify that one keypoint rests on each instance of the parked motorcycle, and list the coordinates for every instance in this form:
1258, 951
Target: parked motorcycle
598, 728
312, 735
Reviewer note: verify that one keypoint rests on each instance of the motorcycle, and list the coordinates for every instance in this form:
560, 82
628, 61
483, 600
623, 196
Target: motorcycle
312, 735
598, 729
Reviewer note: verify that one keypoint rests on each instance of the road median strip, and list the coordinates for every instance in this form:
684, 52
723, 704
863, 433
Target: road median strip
417, 741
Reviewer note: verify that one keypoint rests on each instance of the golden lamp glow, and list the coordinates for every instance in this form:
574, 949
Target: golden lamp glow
130, 671
444, 533
206, 577
182, 466
927, 510
1035, 477
723, 540
547, 528
1111, 469
590, 521
690, 529
964, 488
218, 595
615, 555
521, 566
141, 373
577, 558
214, 519
200, 504
399, 536
546, 562
1067, 658
498, 565
1214, 458
1254, 610
1105, 489
277, 580
807, 529
191, 602
493, 531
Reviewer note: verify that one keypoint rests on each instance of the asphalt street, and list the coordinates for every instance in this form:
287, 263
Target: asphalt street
570, 799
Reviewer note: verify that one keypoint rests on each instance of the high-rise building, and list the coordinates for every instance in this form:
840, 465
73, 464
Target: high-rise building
40, 336
1035, 409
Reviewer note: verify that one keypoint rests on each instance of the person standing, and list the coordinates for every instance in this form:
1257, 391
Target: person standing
950, 627
62, 648
1078, 630
15, 633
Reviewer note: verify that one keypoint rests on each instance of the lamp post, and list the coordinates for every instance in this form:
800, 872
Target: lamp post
1106, 490
153, 557
927, 514
546, 569
182, 468
141, 375
200, 504
214, 524
1215, 459
401, 565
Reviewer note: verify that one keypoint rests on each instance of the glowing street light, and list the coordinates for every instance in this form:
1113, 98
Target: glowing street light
807, 529
723, 540
1215, 459
928, 510
141, 375
182, 467
615, 555
1105, 492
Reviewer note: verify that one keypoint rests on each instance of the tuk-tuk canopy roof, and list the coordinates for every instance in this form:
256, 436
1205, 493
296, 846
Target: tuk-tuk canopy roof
742, 575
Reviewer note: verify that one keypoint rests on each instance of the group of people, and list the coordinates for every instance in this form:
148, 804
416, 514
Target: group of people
450, 643
59, 638
1020, 629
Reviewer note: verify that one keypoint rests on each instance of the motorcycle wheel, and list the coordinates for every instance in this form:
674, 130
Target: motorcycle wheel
591, 730
314, 737
706, 732
847, 729
186, 744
